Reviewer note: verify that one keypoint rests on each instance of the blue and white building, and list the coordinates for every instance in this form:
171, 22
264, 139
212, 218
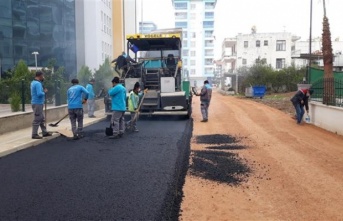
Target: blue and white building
196, 18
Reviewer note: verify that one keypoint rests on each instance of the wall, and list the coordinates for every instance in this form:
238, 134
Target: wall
327, 117
118, 28
24, 120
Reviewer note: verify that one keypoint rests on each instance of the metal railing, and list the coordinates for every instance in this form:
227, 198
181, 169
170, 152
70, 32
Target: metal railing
328, 91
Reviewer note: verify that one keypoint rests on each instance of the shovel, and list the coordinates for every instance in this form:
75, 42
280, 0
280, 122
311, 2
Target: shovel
56, 124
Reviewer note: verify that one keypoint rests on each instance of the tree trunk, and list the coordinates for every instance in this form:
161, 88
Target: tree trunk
329, 86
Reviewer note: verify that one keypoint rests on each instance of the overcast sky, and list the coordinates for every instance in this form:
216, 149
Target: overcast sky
238, 16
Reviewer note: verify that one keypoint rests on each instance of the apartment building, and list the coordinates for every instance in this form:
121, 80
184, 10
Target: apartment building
196, 18
48, 28
147, 27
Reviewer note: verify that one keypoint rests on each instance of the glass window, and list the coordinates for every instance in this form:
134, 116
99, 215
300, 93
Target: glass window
265, 43
209, 43
180, 5
193, 62
193, 53
209, 5
208, 61
246, 44
184, 44
193, 6
184, 34
6, 32
180, 15
192, 71
5, 9
193, 16
280, 63
180, 24
208, 34
193, 35
185, 53
280, 45
193, 43
208, 24
209, 15
258, 43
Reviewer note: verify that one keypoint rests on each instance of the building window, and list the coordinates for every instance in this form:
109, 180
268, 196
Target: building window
265, 42
192, 62
194, 35
185, 53
208, 61
209, 43
193, 16
209, 52
193, 43
192, 71
184, 61
208, 24
246, 44
280, 63
209, 15
258, 43
180, 5
209, 5
180, 15
184, 34
184, 44
193, 53
244, 61
280, 45
193, 6
180, 24
208, 34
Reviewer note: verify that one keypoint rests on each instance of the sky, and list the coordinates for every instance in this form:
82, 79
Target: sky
238, 16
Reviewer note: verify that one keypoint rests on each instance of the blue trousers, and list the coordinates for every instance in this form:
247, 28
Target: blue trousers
299, 109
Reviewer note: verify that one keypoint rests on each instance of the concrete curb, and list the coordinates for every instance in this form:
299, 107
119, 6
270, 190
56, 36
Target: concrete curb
33, 143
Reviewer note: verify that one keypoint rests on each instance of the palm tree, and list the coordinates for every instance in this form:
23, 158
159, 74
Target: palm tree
329, 87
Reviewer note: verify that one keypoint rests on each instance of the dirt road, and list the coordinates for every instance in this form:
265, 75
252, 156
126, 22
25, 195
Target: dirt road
253, 162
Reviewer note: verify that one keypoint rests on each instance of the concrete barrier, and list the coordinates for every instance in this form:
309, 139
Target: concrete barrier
17, 121
327, 117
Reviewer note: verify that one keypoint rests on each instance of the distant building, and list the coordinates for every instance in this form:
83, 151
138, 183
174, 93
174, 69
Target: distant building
301, 53
147, 27
95, 33
47, 28
273, 48
197, 20
229, 55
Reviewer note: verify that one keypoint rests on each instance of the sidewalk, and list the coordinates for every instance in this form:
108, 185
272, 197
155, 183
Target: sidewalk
21, 139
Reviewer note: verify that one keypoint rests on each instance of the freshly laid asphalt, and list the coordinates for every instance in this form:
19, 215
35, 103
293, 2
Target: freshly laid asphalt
137, 177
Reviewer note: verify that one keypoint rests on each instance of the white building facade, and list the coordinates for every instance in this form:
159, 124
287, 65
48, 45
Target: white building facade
274, 48
196, 18
98, 33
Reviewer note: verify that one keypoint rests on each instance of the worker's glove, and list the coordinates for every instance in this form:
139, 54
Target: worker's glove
145, 90
84, 101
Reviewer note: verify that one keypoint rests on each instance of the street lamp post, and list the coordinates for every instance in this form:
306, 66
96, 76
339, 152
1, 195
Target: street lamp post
310, 47
35, 53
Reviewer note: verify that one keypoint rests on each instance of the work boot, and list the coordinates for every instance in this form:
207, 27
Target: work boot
135, 130
120, 135
47, 134
36, 136
75, 137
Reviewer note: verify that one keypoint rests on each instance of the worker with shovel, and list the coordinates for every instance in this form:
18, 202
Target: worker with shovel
37, 100
75, 110
133, 106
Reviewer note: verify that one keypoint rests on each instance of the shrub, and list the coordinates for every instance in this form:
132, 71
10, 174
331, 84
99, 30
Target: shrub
15, 101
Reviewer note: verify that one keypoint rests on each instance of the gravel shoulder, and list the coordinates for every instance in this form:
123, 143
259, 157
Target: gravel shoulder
253, 162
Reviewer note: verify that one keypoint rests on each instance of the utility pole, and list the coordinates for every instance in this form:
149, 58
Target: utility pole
310, 47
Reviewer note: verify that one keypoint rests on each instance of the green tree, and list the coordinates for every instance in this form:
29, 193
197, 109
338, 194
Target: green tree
103, 76
84, 75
